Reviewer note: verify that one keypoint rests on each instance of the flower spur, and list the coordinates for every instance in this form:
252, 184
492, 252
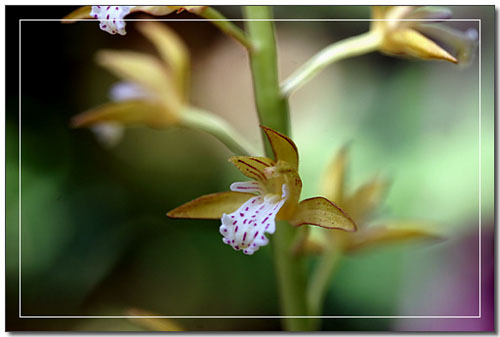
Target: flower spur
246, 218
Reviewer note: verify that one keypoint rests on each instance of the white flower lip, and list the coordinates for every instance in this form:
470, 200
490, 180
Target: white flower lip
245, 228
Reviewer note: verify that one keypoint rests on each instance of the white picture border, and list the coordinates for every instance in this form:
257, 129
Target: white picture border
478, 316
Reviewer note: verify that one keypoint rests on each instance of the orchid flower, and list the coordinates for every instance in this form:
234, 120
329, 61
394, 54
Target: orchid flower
395, 30
153, 92
250, 210
360, 205
111, 18
402, 34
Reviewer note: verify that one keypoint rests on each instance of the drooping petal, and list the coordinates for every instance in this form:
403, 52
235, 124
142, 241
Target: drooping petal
283, 147
321, 212
247, 187
79, 13
245, 228
252, 167
172, 50
366, 199
126, 113
409, 42
111, 18
397, 232
143, 69
333, 183
211, 206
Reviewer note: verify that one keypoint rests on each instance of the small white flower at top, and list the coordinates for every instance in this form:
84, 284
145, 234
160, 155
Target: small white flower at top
111, 18
245, 228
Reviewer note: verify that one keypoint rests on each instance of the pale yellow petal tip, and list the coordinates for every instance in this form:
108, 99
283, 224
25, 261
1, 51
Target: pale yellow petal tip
450, 58
440, 53
174, 214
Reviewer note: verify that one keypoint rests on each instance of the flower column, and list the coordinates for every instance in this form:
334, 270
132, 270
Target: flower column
273, 112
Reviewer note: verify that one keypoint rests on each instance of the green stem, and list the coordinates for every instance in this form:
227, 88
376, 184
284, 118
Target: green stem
291, 277
320, 281
353, 46
272, 108
226, 26
198, 119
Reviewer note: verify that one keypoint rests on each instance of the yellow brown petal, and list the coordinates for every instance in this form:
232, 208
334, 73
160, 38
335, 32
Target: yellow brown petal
252, 167
283, 147
211, 206
126, 112
321, 212
172, 50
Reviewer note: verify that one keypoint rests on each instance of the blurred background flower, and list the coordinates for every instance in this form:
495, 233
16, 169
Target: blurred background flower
404, 35
95, 239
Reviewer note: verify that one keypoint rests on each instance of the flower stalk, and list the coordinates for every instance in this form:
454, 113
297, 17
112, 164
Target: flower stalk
272, 109
226, 26
353, 46
198, 119
320, 282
